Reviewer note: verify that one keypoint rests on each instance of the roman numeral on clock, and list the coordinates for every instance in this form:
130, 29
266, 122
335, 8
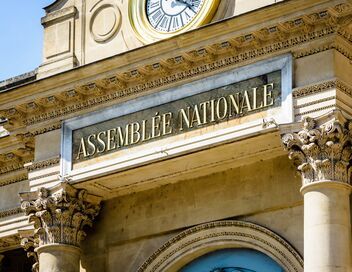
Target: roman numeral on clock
196, 3
164, 22
157, 15
171, 15
176, 22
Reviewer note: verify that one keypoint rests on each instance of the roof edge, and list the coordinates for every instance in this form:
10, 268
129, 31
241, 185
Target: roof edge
56, 3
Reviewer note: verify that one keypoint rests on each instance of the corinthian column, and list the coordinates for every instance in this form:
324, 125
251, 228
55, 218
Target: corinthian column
60, 215
322, 153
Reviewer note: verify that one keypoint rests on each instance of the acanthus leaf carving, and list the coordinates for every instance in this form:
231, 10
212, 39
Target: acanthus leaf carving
321, 152
29, 244
61, 214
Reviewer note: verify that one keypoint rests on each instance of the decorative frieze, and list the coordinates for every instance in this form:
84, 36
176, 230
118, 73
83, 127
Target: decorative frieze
60, 214
10, 212
10, 179
43, 164
322, 152
276, 38
321, 87
10, 167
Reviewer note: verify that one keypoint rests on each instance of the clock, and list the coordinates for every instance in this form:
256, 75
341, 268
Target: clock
168, 16
153, 20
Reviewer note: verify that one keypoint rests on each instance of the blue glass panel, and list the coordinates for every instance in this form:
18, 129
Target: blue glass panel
233, 260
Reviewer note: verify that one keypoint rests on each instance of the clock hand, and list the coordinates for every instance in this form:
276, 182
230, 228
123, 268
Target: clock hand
187, 2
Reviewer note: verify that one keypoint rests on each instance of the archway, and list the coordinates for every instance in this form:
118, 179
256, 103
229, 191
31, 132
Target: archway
198, 241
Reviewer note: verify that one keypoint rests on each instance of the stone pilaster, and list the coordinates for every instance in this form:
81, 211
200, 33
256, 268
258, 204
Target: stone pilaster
322, 152
60, 215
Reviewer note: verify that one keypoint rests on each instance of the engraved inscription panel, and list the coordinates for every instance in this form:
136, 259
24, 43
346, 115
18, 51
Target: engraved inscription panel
193, 112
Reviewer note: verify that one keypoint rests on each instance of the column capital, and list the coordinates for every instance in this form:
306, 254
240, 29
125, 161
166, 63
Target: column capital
322, 149
60, 214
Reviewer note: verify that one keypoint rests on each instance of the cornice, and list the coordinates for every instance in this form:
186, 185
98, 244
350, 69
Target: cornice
46, 129
45, 176
42, 164
305, 113
4, 182
59, 15
10, 167
315, 102
15, 159
323, 86
10, 212
282, 37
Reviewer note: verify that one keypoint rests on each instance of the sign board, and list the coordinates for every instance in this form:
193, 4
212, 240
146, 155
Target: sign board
218, 105
99, 140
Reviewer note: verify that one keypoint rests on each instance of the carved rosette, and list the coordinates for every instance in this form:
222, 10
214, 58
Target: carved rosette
60, 214
322, 153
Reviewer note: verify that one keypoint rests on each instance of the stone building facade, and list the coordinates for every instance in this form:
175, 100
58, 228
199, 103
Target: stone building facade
214, 136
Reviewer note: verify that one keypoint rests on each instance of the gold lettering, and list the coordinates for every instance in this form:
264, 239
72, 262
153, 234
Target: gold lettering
185, 117
255, 99
268, 94
246, 101
101, 141
91, 144
167, 128
156, 125
203, 106
82, 149
224, 108
212, 110
144, 125
195, 117
122, 137
234, 103
111, 144
135, 127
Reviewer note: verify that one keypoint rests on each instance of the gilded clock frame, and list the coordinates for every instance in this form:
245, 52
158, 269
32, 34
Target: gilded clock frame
147, 34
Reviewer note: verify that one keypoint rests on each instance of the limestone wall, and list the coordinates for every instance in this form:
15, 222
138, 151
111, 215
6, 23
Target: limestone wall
132, 227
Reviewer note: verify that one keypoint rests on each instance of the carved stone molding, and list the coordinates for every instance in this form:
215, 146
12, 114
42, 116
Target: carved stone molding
322, 152
13, 179
10, 212
60, 214
323, 86
285, 36
190, 244
29, 244
42, 164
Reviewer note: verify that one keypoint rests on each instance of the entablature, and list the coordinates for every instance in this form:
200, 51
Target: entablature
231, 43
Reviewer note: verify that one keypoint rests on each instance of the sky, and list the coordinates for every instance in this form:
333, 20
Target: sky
21, 36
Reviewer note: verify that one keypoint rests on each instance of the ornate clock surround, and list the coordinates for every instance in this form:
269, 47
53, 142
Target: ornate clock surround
147, 34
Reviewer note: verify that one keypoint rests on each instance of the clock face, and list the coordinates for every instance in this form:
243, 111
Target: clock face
171, 15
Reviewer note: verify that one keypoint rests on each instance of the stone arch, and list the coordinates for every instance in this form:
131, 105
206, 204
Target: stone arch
197, 241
